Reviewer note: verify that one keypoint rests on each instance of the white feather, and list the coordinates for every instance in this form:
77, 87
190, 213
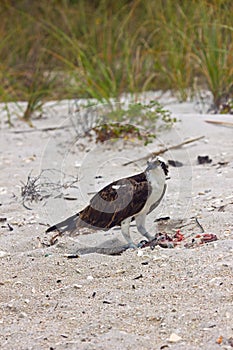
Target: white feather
156, 177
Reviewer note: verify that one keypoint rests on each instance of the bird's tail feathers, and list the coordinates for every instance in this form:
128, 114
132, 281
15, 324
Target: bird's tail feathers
68, 225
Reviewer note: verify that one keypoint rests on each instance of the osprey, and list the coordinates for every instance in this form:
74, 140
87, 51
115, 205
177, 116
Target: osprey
122, 201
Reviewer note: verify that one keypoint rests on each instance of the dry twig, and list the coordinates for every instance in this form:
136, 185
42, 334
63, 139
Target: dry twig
218, 122
49, 128
163, 150
38, 188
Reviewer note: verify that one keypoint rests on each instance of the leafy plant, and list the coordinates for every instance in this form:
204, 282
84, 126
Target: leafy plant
123, 122
115, 131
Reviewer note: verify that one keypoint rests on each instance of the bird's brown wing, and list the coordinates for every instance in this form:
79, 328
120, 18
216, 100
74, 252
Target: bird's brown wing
116, 202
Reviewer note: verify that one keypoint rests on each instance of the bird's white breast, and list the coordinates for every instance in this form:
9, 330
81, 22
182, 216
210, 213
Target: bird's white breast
156, 179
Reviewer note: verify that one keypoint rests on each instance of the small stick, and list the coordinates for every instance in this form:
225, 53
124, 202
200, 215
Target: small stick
49, 128
201, 227
218, 122
163, 150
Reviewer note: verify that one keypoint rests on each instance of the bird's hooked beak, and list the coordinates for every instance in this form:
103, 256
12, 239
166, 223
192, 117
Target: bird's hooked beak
152, 165
157, 162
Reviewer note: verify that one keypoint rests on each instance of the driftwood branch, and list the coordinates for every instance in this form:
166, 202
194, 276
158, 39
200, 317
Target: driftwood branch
218, 122
163, 150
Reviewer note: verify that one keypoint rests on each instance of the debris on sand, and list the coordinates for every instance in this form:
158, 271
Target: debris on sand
174, 338
38, 188
166, 241
175, 163
204, 160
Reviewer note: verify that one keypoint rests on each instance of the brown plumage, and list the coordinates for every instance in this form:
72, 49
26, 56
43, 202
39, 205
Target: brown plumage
120, 202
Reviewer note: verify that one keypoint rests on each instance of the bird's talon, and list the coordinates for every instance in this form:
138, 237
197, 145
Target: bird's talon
142, 243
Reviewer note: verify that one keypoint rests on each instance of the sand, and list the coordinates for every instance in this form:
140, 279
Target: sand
178, 299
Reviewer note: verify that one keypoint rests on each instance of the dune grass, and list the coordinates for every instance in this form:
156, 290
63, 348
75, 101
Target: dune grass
101, 49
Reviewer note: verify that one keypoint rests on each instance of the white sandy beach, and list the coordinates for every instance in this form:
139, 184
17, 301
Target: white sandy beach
138, 299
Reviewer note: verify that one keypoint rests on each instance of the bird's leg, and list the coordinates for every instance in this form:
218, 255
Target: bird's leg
140, 222
125, 231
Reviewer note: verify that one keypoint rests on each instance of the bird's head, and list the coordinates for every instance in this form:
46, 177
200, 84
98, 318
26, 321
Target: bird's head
157, 163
